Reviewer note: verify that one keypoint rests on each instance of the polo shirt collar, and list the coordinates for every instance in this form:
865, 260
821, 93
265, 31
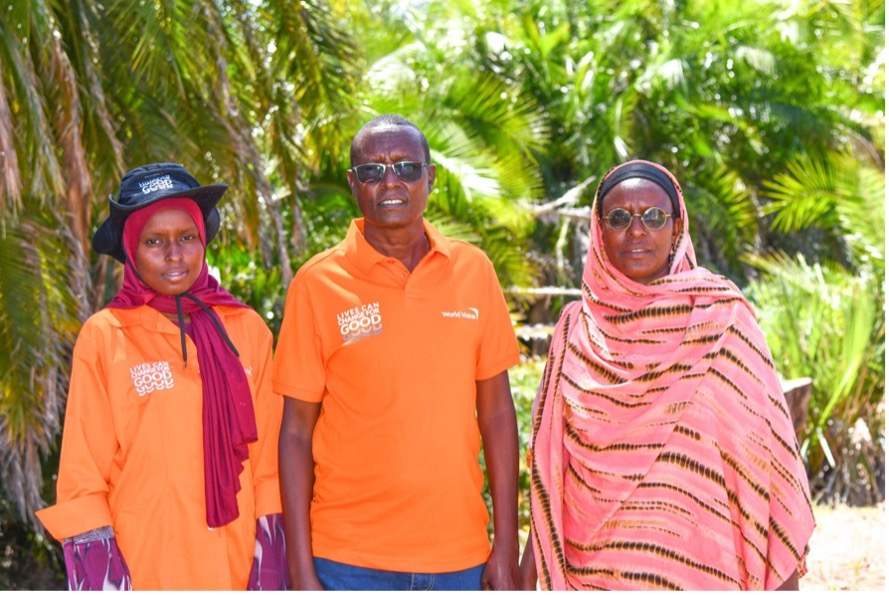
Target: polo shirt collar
147, 317
154, 320
359, 251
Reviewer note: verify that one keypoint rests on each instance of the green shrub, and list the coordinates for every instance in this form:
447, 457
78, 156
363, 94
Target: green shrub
826, 323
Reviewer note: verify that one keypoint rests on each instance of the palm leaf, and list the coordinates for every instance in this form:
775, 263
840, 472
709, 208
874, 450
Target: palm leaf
39, 323
802, 197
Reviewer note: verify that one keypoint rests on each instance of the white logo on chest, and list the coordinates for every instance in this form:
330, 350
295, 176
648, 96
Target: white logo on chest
151, 376
360, 322
468, 313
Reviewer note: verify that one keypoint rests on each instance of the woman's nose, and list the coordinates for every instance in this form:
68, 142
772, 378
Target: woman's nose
174, 251
636, 227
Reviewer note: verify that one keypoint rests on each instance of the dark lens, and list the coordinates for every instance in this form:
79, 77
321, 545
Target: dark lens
370, 172
654, 218
619, 219
409, 171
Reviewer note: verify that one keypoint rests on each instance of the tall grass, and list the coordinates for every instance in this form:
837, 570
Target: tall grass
823, 322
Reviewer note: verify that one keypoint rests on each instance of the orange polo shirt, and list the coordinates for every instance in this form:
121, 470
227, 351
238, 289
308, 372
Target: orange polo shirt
132, 450
393, 356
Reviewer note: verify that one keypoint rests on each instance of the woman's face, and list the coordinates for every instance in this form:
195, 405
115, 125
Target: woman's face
170, 256
640, 253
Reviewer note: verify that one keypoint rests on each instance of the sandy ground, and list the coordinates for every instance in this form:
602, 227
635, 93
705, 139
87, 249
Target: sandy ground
848, 550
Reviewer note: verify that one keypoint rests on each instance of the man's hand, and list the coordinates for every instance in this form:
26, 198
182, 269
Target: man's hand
502, 570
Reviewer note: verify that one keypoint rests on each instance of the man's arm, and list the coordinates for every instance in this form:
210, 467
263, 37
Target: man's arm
297, 477
500, 437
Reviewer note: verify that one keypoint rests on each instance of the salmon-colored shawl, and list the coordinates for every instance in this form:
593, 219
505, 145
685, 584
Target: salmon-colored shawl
662, 453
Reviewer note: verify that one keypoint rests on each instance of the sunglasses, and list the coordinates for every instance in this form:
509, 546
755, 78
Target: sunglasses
652, 218
407, 171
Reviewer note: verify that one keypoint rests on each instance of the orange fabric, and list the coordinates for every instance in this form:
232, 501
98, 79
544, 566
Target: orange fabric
132, 454
394, 357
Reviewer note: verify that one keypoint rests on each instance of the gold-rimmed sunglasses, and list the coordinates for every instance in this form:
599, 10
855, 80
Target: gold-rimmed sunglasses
653, 218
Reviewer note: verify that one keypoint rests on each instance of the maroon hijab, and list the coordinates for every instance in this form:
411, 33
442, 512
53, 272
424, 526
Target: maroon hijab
229, 422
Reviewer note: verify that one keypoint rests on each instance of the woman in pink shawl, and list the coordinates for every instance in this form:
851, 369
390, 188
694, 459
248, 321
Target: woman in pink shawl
662, 454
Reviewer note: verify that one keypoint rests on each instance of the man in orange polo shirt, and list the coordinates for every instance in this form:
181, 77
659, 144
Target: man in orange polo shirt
393, 354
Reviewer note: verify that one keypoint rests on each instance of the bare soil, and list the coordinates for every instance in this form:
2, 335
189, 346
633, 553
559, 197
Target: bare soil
848, 550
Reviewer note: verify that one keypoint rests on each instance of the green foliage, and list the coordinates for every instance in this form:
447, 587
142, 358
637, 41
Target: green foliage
825, 320
723, 95
245, 277
38, 322
839, 196
28, 561
827, 324
525, 379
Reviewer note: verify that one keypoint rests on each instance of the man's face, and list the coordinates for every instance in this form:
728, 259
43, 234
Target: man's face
391, 203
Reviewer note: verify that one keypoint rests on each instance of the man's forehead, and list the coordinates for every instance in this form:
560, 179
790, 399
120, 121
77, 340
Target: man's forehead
388, 137
386, 128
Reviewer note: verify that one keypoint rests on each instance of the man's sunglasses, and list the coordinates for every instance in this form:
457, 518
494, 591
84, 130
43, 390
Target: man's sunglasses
652, 218
407, 171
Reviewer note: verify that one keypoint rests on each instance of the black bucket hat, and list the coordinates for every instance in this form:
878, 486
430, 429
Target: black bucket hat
147, 184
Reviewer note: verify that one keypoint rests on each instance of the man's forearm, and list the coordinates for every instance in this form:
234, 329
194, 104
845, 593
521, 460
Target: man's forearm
501, 460
297, 478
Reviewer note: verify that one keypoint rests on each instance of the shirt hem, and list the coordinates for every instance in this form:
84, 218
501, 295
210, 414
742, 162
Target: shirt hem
425, 565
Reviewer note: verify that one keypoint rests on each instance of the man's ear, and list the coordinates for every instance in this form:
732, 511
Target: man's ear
430, 176
350, 178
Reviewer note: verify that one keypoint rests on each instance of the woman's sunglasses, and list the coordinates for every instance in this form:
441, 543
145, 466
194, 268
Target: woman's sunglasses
407, 171
652, 218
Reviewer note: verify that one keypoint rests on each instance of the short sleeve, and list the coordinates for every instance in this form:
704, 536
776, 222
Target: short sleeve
298, 370
499, 349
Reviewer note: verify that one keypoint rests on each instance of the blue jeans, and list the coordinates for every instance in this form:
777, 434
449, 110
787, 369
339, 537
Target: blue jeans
344, 577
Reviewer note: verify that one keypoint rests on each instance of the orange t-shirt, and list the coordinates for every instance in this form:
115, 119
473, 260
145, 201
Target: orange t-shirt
393, 357
132, 450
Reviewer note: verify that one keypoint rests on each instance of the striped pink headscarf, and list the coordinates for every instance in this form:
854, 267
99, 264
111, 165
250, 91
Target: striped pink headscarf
662, 452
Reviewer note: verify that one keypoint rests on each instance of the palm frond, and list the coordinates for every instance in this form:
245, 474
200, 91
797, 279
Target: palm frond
720, 200
840, 195
802, 197
39, 322
861, 210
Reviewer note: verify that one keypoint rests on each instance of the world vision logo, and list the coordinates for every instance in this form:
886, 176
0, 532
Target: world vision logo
151, 376
360, 322
467, 314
